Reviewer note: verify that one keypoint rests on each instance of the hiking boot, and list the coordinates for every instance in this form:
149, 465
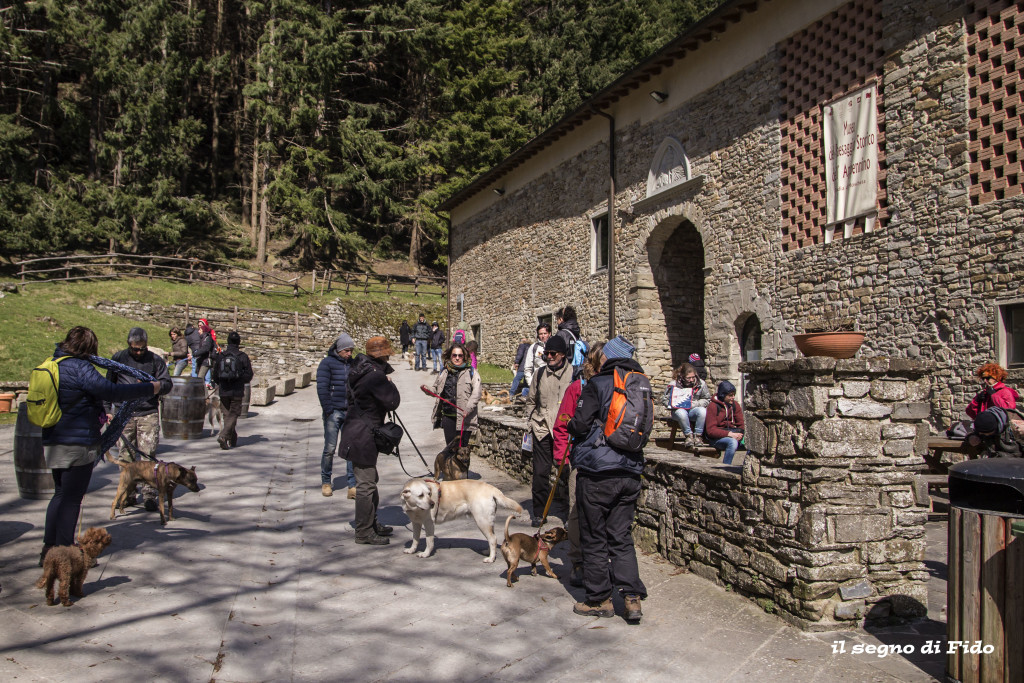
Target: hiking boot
223, 444
383, 529
537, 521
595, 609
373, 539
576, 576
351, 492
150, 504
633, 611
326, 490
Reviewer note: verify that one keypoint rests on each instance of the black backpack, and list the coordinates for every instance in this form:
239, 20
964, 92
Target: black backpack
229, 368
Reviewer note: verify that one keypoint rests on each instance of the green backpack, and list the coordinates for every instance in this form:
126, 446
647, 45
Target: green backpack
43, 408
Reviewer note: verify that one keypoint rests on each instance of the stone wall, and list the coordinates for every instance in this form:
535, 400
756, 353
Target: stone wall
820, 523
269, 337
926, 284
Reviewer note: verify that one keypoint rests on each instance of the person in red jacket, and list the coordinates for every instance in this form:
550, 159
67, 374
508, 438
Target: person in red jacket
995, 393
562, 454
723, 428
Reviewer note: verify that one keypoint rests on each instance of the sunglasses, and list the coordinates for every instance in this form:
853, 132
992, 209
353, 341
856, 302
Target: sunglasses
984, 377
551, 354
457, 355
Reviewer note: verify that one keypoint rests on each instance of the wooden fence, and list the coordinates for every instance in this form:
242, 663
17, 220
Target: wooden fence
115, 266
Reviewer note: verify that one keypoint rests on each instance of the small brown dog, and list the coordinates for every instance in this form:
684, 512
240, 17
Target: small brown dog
70, 564
532, 549
499, 397
163, 476
453, 461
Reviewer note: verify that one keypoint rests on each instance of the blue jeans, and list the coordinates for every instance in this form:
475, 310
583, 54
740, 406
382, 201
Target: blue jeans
520, 376
435, 355
683, 417
729, 445
421, 354
179, 365
333, 423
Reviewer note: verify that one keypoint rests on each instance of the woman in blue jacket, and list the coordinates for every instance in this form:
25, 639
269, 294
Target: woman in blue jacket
72, 446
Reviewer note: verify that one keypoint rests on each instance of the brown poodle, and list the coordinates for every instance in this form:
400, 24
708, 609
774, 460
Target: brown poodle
70, 564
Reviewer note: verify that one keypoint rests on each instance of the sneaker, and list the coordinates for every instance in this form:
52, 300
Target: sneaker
689, 441
223, 444
576, 576
150, 504
326, 490
633, 611
373, 539
383, 529
537, 521
595, 609
351, 492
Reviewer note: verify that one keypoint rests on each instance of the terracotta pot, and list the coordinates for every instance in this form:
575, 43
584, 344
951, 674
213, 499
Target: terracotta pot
830, 344
6, 400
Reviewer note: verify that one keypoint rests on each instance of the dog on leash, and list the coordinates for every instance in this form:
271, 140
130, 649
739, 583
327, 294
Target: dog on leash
452, 462
163, 476
429, 502
532, 549
69, 564
214, 411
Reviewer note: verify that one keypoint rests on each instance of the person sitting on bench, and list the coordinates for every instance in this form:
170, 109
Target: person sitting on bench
687, 397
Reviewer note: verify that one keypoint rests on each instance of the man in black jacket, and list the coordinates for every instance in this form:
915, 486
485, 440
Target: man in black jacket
371, 396
142, 432
607, 488
231, 371
421, 335
436, 343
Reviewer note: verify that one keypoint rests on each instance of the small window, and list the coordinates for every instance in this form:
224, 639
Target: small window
475, 331
1013, 331
549, 319
599, 242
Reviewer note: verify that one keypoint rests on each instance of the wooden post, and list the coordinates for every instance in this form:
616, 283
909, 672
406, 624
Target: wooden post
150, 269
416, 286
296, 330
22, 274
67, 271
313, 288
346, 284
191, 265
330, 273
263, 282
366, 283
387, 282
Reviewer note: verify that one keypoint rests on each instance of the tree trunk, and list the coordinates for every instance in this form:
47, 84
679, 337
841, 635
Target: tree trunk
135, 234
416, 245
215, 79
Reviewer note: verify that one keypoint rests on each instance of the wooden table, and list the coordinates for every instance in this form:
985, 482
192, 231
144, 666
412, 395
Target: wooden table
937, 447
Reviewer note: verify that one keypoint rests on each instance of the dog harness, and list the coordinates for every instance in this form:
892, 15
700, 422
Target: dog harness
541, 545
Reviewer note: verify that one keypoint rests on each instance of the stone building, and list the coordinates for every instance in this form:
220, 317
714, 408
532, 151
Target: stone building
726, 236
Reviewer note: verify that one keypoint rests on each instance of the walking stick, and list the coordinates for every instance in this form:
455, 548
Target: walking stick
551, 496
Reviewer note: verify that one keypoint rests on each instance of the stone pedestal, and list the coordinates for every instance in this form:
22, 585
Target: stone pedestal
302, 379
285, 386
262, 396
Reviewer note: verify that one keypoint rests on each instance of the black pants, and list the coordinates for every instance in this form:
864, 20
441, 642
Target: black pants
543, 460
232, 411
70, 485
607, 506
367, 500
449, 426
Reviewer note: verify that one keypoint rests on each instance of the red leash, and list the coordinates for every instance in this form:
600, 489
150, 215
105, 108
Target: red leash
428, 392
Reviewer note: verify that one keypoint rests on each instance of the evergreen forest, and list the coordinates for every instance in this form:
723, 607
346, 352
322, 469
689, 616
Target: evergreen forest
330, 128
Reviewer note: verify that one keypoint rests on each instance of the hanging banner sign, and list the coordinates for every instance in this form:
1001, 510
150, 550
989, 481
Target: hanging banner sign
851, 155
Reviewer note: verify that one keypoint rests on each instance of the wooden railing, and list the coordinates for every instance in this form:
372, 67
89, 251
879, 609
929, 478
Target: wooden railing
114, 266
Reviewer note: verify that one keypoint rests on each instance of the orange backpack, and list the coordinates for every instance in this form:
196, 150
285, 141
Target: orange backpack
630, 417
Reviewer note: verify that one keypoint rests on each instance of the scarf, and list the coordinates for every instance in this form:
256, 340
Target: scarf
113, 431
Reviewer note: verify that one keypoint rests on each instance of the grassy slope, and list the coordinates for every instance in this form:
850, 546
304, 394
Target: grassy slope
37, 318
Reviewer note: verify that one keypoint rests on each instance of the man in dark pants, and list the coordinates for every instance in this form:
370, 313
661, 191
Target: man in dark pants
231, 371
546, 391
332, 390
371, 396
421, 336
607, 488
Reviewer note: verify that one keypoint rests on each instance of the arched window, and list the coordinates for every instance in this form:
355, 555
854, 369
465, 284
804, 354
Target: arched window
750, 339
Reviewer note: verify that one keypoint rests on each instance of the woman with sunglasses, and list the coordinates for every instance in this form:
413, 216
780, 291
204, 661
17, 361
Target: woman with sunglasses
994, 393
458, 385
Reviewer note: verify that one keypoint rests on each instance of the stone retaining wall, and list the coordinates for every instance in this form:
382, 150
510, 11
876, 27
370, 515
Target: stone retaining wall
820, 523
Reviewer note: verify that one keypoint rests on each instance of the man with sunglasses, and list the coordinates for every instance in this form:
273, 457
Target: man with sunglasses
142, 432
546, 390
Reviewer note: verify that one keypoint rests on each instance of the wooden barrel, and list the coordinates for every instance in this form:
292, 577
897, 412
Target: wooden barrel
985, 608
245, 401
183, 410
35, 480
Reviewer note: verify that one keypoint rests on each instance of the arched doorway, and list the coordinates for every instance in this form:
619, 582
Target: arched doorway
750, 347
678, 271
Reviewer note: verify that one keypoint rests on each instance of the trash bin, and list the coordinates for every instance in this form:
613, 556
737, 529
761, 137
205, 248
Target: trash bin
985, 604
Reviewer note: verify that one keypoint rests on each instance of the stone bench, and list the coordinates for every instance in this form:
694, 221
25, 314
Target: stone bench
700, 450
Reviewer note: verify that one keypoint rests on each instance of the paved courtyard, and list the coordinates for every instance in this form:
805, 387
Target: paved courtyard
258, 579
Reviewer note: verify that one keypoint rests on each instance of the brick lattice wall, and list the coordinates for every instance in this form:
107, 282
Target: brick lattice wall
824, 61
995, 64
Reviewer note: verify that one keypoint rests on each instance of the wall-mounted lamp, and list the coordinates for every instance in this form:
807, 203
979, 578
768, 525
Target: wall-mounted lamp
659, 96
499, 191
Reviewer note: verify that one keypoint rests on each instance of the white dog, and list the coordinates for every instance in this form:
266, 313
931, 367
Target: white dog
428, 502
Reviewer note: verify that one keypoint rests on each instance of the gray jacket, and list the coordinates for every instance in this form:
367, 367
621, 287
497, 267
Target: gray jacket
546, 392
467, 397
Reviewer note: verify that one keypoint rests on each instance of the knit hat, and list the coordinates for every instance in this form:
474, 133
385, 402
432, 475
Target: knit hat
725, 388
694, 358
989, 422
618, 348
344, 342
557, 344
378, 347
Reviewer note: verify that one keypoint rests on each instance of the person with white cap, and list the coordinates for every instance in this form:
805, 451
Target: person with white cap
332, 390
